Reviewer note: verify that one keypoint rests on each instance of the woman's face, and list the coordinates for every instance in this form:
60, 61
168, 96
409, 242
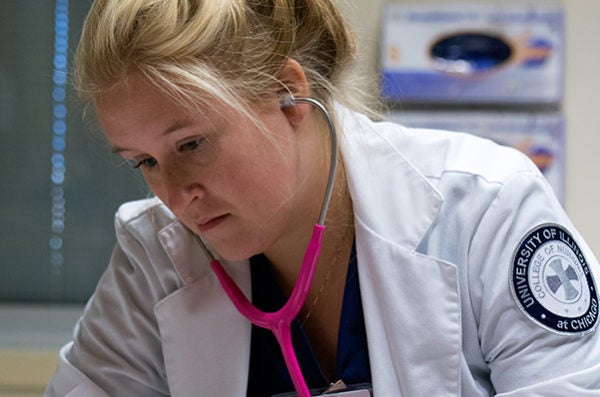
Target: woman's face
241, 189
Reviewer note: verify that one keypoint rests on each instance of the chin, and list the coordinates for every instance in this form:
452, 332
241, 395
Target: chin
235, 252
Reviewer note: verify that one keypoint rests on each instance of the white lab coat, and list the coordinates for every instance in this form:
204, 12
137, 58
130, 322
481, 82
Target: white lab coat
438, 219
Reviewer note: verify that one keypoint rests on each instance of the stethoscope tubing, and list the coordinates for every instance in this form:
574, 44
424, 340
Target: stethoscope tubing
334, 154
279, 322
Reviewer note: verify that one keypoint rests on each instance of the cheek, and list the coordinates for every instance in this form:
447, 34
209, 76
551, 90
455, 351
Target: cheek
265, 179
161, 192
268, 181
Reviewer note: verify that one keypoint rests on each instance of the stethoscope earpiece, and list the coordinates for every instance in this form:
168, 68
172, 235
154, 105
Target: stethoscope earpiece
286, 99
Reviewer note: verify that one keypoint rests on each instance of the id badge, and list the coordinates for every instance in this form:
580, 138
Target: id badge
359, 390
351, 393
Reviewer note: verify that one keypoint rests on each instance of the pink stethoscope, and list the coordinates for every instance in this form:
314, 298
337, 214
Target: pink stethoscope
279, 322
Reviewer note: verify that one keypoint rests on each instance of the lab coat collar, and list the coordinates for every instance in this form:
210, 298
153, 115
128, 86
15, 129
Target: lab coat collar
403, 217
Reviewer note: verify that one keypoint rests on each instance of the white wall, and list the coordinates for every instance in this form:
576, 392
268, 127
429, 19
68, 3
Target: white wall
581, 103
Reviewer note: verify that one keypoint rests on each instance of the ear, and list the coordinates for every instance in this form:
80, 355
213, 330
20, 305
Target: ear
294, 80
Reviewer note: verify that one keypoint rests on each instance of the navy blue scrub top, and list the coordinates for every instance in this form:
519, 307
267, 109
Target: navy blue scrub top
268, 373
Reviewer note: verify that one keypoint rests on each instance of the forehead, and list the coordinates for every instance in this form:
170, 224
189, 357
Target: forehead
137, 105
133, 94
136, 115
136, 97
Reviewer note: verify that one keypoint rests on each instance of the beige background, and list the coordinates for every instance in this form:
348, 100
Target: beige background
24, 369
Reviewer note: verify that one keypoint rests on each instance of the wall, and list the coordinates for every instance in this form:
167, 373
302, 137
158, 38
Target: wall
582, 99
29, 341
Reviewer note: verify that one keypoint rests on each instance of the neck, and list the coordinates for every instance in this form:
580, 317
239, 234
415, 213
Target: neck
321, 312
287, 256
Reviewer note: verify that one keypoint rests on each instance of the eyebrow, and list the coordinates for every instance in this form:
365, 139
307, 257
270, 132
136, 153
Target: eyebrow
117, 150
175, 126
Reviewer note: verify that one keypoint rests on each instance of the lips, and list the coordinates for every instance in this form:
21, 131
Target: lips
208, 224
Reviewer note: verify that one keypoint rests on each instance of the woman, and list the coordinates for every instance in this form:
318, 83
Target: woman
447, 265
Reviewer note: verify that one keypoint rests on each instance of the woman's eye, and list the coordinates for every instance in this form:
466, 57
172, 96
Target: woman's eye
145, 163
191, 145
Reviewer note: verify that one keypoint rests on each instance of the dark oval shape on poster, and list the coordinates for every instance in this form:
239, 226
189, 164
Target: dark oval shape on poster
470, 53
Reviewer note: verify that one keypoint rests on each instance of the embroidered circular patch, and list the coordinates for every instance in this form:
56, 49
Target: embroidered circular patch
552, 283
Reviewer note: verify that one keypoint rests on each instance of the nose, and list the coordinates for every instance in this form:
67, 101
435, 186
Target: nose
181, 188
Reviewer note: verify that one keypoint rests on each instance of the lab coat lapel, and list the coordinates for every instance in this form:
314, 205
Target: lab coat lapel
409, 299
206, 342
412, 314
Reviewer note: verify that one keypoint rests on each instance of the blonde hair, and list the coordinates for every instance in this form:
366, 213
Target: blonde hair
201, 50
